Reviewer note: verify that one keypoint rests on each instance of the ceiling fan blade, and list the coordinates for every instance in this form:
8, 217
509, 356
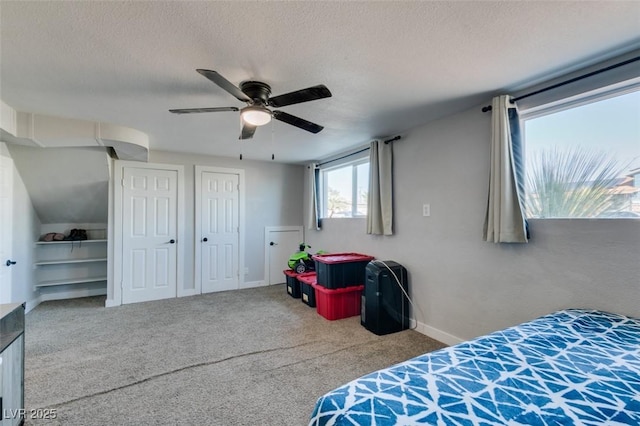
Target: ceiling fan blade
309, 94
225, 84
297, 121
193, 110
247, 130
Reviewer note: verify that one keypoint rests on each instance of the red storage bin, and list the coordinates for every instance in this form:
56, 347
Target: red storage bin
293, 286
338, 303
340, 270
307, 292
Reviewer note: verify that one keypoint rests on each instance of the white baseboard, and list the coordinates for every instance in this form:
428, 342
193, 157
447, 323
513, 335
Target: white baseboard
251, 284
31, 304
434, 333
110, 303
73, 294
190, 292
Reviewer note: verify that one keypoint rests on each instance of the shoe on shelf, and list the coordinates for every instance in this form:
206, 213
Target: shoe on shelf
77, 235
72, 235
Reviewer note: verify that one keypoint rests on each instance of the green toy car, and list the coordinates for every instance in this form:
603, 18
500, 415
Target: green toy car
301, 260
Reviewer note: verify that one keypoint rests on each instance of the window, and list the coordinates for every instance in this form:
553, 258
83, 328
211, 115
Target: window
345, 189
583, 160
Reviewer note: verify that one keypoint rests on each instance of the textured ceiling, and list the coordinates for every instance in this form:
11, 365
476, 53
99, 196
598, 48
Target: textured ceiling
390, 65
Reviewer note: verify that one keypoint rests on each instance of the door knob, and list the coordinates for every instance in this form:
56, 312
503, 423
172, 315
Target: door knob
10, 262
205, 239
273, 244
172, 241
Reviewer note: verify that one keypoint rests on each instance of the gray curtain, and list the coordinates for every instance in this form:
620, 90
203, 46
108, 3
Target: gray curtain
380, 199
313, 204
504, 221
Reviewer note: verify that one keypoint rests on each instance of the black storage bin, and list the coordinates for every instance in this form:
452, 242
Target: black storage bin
293, 286
341, 270
384, 307
307, 292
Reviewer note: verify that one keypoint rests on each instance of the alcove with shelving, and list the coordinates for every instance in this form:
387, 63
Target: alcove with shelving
61, 263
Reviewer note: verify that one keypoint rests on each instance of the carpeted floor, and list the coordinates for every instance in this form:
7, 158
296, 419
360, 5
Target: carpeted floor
245, 357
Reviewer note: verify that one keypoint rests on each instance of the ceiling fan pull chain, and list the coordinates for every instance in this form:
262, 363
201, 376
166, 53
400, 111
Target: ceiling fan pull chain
241, 140
273, 156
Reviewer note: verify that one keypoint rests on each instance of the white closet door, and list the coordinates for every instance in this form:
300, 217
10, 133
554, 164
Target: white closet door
219, 239
281, 242
6, 227
149, 239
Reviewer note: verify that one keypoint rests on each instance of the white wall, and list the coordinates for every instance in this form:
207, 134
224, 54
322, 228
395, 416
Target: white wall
465, 287
26, 230
65, 184
272, 199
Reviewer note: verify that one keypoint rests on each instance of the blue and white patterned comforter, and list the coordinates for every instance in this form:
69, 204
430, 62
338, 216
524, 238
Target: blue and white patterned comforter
574, 367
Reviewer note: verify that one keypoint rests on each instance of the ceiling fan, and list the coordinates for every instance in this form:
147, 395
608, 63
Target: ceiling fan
257, 96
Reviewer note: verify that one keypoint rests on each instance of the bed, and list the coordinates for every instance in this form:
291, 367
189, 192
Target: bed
572, 367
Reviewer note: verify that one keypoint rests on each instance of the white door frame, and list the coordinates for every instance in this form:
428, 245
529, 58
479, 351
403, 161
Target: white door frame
118, 173
198, 222
269, 229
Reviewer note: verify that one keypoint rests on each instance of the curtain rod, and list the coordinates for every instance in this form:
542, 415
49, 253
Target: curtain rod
388, 141
571, 80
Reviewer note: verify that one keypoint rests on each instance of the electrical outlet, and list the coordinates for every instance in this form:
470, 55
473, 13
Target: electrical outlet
426, 210
246, 271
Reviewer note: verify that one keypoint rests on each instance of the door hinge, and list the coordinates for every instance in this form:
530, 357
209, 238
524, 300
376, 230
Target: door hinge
122, 182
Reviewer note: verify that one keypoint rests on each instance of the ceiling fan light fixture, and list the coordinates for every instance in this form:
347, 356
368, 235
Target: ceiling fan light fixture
257, 96
256, 115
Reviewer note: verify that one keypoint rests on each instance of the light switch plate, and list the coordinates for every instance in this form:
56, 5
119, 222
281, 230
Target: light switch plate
426, 210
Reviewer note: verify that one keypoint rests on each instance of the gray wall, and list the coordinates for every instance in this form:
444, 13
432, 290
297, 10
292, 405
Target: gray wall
272, 199
66, 185
466, 287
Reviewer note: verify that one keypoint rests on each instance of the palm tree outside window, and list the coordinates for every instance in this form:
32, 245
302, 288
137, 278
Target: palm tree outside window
584, 161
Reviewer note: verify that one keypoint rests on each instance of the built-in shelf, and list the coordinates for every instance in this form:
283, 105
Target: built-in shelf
78, 262
64, 261
71, 281
71, 242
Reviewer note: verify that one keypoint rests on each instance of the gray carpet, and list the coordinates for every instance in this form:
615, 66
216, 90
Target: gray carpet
245, 357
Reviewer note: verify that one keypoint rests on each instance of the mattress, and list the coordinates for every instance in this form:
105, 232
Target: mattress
573, 367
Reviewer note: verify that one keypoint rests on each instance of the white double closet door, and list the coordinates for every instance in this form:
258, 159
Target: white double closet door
150, 225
